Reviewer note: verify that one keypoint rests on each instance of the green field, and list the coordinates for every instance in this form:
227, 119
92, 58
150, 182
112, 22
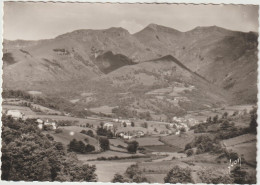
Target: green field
67, 135
148, 141
162, 148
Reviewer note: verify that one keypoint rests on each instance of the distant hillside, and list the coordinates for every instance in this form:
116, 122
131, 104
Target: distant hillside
114, 61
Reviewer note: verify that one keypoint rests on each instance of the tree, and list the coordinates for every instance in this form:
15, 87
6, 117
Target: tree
58, 130
209, 120
178, 175
189, 152
182, 130
215, 119
133, 172
145, 125
90, 133
124, 124
188, 146
104, 143
225, 115
253, 121
80, 147
31, 156
119, 178
132, 147
132, 124
225, 125
241, 177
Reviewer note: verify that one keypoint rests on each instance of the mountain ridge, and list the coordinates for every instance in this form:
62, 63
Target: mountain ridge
88, 54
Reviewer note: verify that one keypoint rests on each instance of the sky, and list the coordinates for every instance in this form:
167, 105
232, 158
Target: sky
39, 20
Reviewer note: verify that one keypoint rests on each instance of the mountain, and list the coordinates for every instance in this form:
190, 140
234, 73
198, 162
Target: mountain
221, 65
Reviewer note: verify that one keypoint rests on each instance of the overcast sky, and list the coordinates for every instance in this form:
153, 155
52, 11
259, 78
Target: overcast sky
32, 21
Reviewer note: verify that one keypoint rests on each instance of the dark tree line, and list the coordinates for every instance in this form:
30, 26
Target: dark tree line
29, 155
80, 147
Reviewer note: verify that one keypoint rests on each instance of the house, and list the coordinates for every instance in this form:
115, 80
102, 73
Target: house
16, 114
39, 121
116, 120
127, 136
108, 126
40, 126
177, 132
50, 122
127, 122
140, 133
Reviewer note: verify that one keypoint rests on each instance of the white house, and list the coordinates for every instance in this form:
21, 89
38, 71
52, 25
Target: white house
127, 122
127, 137
108, 126
50, 123
140, 133
16, 114
39, 121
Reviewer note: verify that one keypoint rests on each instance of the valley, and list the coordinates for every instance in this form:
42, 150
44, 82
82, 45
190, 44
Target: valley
137, 106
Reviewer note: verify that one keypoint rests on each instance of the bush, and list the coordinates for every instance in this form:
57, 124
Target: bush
104, 132
104, 143
119, 178
80, 147
58, 130
90, 133
132, 147
178, 175
242, 177
188, 146
189, 152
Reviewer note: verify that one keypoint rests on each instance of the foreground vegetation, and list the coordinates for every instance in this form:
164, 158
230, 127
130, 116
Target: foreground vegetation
29, 155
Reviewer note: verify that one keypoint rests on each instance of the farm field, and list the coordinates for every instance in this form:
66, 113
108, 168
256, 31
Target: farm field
117, 142
147, 141
239, 140
67, 135
248, 150
77, 121
102, 109
23, 109
178, 140
109, 153
162, 148
106, 169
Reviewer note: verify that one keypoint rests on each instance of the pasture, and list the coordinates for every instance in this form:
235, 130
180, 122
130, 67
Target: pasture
178, 140
108, 153
148, 141
248, 150
23, 109
162, 148
107, 169
103, 109
239, 140
67, 135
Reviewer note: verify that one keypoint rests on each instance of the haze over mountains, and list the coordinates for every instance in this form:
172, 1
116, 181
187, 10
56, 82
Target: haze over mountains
221, 64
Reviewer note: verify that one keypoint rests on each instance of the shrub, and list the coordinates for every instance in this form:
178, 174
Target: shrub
189, 152
80, 147
104, 143
58, 130
178, 175
188, 146
119, 178
132, 147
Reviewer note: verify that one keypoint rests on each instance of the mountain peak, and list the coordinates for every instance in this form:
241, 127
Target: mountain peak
159, 28
214, 28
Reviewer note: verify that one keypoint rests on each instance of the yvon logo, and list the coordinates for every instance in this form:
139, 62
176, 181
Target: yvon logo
234, 163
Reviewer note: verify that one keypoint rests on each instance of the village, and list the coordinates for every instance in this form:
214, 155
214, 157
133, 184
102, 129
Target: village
156, 142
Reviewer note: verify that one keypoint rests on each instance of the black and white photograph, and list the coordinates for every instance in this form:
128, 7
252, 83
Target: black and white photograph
129, 93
